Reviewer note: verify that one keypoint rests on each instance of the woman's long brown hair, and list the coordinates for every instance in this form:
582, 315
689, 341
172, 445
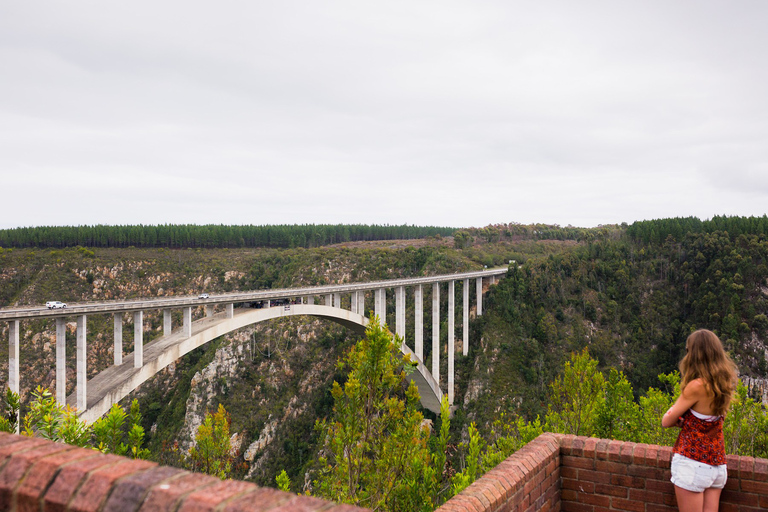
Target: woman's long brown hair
707, 360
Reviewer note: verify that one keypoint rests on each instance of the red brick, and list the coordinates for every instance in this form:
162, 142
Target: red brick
732, 484
208, 498
569, 472
638, 455
502, 480
594, 476
626, 452
665, 456
611, 490
129, 492
577, 448
589, 447
266, 498
18, 444
476, 493
740, 498
566, 442
601, 448
616, 468
16, 468
595, 499
578, 462
99, 483
299, 504
652, 507
163, 497
628, 481
578, 485
659, 485
746, 468
622, 504
761, 470
467, 503
71, 476
647, 472
614, 450
756, 487
491, 493
515, 470
652, 455
646, 496
42, 473
552, 466
571, 506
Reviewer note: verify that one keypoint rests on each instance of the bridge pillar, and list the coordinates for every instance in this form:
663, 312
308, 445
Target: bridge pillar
479, 296
61, 361
187, 322
230, 311
451, 337
329, 300
465, 318
400, 312
13, 356
337, 300
361, 302
82, 338
138, 339
311, 300
436, 331
167, 322
353, 302
418, 328
209, 310
380, 305
117, 336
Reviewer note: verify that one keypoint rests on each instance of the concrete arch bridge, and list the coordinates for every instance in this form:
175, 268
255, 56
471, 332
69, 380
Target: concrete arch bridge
94, 397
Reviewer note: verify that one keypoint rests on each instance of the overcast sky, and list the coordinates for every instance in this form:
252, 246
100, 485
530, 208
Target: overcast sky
418, 112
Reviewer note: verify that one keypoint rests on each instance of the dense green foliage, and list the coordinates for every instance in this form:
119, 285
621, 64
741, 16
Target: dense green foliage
211, 453
210, 236
375, 444
632, 304
48, 419
657, 231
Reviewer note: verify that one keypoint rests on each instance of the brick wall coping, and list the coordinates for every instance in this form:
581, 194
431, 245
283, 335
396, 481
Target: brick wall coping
557, 472
36, 475
554, 472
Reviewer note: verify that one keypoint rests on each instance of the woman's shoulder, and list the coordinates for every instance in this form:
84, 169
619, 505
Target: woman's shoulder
696, 389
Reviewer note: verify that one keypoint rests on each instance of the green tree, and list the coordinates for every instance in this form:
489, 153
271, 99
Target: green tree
48, 419
9, 419
212, 451
375, 443
746, 426
576, 396
618, 415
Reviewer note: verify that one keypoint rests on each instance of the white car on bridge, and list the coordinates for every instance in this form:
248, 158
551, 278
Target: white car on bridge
55, 304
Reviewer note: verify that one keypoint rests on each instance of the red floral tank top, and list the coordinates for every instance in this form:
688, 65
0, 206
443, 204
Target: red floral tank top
701, 440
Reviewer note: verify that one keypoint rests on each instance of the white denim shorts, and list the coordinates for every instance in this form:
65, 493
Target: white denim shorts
696, 476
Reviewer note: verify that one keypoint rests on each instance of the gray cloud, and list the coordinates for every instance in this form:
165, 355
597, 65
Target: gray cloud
449, 113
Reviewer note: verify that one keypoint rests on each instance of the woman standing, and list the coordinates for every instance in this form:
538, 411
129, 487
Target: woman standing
708, 381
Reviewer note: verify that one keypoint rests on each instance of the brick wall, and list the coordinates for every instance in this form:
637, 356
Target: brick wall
551, 473
580, 474
40, 475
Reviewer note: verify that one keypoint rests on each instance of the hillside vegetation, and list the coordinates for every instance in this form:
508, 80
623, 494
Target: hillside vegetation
629, 294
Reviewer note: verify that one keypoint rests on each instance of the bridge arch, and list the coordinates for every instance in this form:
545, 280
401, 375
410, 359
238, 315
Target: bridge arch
116, 382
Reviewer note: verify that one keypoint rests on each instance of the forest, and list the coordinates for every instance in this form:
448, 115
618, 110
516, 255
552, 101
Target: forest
613, 303
210, 236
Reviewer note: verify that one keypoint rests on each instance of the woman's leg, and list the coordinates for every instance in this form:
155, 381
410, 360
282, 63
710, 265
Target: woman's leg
711, 499
689, 501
